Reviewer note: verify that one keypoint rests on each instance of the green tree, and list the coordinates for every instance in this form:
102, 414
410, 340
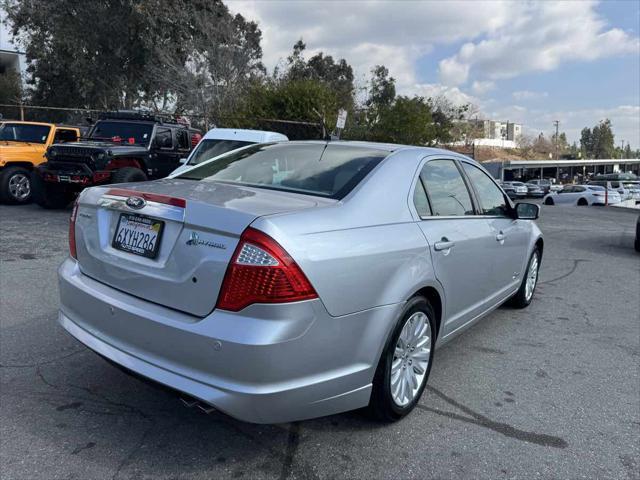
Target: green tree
586, 143
10, 87
10, 93
108, 54
598, 142
297, 100
322, 68
627, 151
407, 121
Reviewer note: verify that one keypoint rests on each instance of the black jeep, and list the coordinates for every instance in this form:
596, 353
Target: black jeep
120, 147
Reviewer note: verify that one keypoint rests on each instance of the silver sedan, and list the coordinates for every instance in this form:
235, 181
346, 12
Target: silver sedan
290, 281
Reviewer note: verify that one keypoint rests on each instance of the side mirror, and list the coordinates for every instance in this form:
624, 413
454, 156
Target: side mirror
182, 161
527, 211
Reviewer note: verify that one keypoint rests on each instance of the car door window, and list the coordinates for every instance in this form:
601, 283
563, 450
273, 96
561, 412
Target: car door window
65, 135
492, 201
420, 200
578, 189
447, 191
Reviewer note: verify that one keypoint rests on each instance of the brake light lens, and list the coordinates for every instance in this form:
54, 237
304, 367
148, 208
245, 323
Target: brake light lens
72, 231
261, 271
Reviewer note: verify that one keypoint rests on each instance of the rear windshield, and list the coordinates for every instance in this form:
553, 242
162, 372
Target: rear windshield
328, 170
126, 132
23, 132
208, 149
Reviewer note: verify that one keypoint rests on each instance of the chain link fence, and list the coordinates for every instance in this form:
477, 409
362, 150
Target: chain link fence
82, 117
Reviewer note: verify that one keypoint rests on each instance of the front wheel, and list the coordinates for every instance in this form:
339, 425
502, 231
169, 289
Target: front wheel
524, 295
405, 364
15, 185
548, 201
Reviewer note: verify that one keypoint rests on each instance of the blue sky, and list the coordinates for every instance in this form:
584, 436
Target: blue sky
524, 61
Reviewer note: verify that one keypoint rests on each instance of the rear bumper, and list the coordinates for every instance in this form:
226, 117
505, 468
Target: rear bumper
266, 364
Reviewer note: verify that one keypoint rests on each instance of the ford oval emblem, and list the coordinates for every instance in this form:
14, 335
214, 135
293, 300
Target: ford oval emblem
136, 202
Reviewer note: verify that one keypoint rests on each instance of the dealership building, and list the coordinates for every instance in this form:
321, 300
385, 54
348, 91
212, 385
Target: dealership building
561, 170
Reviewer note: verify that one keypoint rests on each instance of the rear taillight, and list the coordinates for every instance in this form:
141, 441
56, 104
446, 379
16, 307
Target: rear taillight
261, 271
72, 231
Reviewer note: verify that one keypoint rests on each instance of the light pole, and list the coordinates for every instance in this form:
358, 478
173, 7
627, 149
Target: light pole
557, 124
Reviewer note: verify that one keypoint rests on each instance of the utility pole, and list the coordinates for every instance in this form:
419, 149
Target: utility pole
621, 148
557, 124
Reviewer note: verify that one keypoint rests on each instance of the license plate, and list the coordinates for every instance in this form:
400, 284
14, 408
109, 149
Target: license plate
138, 235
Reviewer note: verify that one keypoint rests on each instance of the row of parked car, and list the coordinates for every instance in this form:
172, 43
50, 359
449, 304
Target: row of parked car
600, 191
51, 163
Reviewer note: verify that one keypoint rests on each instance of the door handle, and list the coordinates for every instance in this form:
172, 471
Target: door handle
500, 237
444, 244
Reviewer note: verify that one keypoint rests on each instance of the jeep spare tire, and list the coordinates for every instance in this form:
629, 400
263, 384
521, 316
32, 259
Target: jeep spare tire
128, 175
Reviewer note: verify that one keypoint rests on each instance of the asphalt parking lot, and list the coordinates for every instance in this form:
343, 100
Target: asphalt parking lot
552, 391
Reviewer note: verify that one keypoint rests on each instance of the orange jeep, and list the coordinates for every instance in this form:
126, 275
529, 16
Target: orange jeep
22, 147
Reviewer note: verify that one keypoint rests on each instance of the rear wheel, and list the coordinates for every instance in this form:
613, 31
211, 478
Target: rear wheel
549, 201
405, 364
128, 175
15, 185
524, 295
583, 202
50, 196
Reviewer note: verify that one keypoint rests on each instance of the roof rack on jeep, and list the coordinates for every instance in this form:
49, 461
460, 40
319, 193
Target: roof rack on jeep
138, 115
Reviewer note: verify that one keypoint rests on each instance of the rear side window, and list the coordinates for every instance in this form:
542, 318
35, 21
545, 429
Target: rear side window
491, 198
182, 137
420, 200
328, 170
447, 191
209, 148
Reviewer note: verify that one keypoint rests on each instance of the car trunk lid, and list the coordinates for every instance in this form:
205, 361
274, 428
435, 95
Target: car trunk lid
202, 223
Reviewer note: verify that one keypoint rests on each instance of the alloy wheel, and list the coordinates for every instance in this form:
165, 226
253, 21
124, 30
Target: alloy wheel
20, 186
532, 277
411, 359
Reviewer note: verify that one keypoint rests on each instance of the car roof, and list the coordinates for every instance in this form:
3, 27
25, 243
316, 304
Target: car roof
255, 136
386, 147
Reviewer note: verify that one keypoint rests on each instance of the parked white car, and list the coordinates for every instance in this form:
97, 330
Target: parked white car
582, 195
617, 185
222, 140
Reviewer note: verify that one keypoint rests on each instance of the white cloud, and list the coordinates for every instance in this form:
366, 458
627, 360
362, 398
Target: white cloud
528, 95
482, 87
453, 94
540, 37
368, 33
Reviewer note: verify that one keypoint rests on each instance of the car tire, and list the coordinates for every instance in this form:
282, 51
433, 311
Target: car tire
549, 201
383, 405
523, 298
15, 186
128, 175
582, 202
50, 196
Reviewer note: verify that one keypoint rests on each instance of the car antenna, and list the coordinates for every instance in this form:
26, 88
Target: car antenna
326, 137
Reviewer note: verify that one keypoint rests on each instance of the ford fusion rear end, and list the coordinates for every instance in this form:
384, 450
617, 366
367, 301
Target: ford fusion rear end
174, 283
